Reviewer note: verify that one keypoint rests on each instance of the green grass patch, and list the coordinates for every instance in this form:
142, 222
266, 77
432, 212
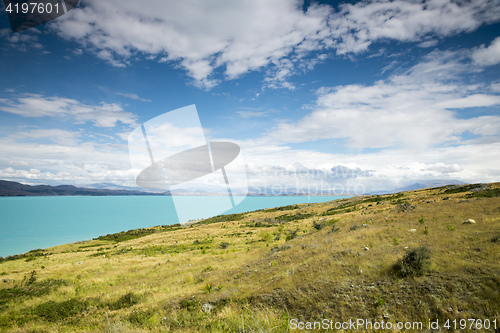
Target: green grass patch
137, 233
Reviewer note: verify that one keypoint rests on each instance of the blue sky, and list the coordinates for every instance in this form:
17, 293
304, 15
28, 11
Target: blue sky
391, 93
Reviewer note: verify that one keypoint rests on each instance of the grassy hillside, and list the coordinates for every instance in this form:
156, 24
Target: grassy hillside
404, 257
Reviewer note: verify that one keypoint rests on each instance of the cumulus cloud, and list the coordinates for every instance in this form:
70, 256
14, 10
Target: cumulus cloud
236, 37
54, 155
36, 105
409, 110
356, 26
488, 56
275, 167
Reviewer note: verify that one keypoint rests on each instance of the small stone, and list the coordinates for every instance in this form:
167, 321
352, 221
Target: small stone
366, 249
413, 230
207, 307
386, 316
5, 280
469, 221
81, 262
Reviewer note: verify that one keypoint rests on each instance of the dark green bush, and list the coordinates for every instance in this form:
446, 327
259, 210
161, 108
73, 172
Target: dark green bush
292, 234
190, 304
355, 226
55, 311
415, 262
140, 317
404, 207
35, 289
125, 301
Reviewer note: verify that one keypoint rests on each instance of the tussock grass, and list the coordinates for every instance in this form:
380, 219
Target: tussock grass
332, 260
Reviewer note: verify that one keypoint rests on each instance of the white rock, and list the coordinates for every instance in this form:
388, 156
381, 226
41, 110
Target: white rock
413, 230
207, 307
469, 221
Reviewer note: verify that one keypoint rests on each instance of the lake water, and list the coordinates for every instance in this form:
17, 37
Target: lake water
28, 223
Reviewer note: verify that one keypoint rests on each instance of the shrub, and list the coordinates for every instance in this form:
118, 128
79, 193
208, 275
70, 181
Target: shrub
426, 230
354, 227
141, 317
334, 229
31, 279
55, 311
280, 248
266, 236
405, 207
318, 226
292, 234
125, 301
190, 304
224, 245
415, 262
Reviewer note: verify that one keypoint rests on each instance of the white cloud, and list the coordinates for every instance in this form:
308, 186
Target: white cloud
58, 156
270, 165
57, 136
356, 26
22, 41
255, 113
488, 56
409, 110
134, 96
36, 105
236, 37
239, 36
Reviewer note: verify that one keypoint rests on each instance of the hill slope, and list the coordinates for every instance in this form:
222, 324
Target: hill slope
274, 270
8, 188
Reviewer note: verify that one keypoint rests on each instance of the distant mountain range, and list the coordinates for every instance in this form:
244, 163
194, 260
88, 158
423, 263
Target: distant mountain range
10, 189
422, 184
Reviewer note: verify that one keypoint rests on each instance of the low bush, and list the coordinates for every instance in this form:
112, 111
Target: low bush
55, 311
125, 301
355, 226
405, 207
416, 262
292, 234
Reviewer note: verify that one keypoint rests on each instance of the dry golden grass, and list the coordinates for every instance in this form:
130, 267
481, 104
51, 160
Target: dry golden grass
162, 281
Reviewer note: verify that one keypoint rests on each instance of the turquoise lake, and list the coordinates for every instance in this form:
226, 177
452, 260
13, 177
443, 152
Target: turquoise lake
28, 223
